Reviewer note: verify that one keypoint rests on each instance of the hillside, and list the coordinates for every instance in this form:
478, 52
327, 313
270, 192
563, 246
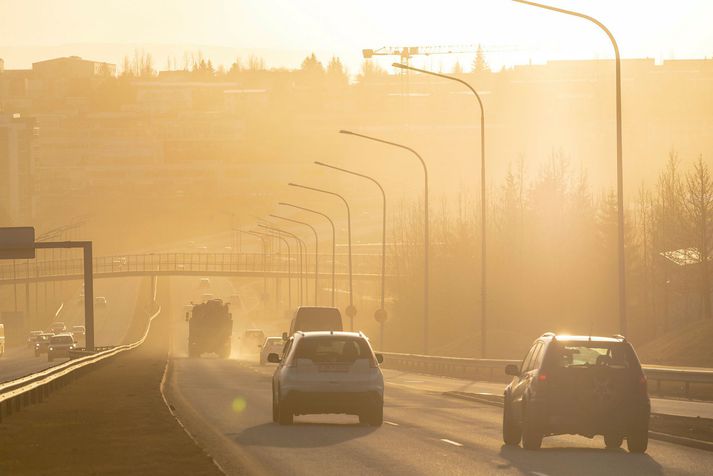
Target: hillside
691, 345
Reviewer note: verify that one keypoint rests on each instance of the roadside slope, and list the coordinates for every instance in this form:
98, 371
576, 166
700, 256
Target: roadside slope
112, 420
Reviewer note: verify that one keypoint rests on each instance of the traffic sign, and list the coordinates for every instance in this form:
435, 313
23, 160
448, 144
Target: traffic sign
380, 315
17, 242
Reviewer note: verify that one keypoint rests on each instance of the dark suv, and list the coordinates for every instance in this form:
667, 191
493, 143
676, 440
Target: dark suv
577, 385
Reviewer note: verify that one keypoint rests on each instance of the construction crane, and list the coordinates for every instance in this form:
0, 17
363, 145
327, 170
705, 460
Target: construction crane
406, 52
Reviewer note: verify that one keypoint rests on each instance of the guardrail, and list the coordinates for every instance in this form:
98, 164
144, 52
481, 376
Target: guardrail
35, 387
493, 370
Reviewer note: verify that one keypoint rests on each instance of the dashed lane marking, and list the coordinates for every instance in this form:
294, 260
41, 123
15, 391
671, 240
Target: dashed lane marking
391, 423
535, 473
451, 442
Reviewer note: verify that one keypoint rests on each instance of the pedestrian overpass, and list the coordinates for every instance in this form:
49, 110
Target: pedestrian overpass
365, 267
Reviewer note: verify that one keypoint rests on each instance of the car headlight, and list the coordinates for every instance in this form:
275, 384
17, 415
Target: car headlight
51, 348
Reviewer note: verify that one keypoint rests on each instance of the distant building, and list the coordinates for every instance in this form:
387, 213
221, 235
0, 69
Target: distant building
72, 67
16, 153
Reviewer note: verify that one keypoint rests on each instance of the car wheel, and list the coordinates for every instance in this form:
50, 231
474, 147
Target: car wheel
512, 433
275, 408
613, 441
638, 439
531, 434
373, 417
284, 413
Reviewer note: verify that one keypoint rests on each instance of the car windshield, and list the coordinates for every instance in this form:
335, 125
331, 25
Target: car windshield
61, 340
590, 354
332, 349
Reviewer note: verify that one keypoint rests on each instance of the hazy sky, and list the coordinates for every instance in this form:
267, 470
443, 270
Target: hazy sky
654, 28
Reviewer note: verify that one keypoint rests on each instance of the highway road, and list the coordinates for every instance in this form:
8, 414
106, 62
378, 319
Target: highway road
226, 405
111, 324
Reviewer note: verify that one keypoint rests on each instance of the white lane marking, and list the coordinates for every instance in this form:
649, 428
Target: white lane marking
391, 423
451, 442
538, 474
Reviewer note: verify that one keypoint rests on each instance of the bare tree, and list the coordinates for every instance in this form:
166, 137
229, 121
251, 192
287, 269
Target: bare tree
699, 207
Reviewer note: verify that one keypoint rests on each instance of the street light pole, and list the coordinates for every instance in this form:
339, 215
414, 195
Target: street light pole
380, 314
425, 226
289, 261
483, 205
334, 235
351, 310
300, 245
619, 159
316, 252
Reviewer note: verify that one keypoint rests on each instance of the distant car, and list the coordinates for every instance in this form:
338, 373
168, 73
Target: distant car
314, 318
59, 346
328, 372
31, 338
100, 301
272, 345
204, 283
42, 343
235, 302
57, 327
205, 297
79, 333
577, 385
251, 340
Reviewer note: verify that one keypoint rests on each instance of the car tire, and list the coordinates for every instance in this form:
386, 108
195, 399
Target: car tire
512, 432
373, 416
638, 439
613, 441
275, 408
531, 434
284, 413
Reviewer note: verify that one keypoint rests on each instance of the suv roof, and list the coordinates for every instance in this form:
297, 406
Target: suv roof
331, 333
568, 337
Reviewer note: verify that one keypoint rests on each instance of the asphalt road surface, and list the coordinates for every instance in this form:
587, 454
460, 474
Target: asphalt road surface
226, 405
111, 324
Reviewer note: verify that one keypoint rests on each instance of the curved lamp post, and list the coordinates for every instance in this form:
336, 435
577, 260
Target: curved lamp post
425, 226
334, 233
483, 203
619, 158
380, 314
300, 245
316, 251
289, 260
351, 310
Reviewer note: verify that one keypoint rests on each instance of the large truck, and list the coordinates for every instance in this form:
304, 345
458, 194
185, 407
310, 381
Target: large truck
210, 327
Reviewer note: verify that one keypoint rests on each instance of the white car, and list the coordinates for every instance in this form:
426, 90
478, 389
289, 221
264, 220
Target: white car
204, 283
59, 346
100, 301
272, 345
328, 372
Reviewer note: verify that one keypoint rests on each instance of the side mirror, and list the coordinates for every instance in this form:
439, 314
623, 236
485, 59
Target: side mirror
273, 358
380, 358
188, 318
512, 369
284, 336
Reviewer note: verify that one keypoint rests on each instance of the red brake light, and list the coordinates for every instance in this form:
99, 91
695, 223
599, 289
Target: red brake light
643, 385
542, 377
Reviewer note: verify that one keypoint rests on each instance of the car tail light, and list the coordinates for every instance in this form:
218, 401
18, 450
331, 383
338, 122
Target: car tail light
643, 384
542, 377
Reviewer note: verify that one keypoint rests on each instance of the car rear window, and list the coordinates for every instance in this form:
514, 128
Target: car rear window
332, 349
590, 354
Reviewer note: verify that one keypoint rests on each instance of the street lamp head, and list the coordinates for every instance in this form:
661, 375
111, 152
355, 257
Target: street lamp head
399, 65
292, 184
317, 162
344, 131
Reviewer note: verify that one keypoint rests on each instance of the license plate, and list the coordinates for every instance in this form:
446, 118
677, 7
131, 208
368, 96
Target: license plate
333, 368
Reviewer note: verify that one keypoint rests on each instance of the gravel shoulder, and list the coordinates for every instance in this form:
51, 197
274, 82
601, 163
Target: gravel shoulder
111, 420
